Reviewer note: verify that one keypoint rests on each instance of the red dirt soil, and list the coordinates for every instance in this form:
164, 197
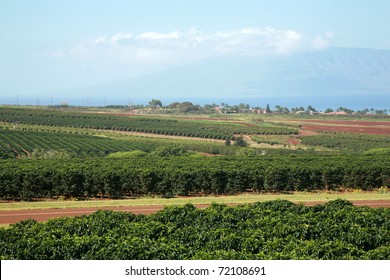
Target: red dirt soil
14, 216
293, 141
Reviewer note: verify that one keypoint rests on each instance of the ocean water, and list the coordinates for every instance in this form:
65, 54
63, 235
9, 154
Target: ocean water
355, 102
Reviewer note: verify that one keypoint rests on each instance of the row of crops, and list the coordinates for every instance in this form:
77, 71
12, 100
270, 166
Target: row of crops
185, 175
269, 230
155, 125
348, 142
17, 144
28, 144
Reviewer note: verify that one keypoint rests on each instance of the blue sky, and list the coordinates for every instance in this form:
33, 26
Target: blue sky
54, 45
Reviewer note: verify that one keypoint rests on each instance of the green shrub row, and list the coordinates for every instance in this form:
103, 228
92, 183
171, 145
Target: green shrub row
270, 230
143, 124
348, 142
184, 175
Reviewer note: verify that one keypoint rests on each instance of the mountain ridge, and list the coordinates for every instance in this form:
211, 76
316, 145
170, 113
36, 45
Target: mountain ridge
344, 73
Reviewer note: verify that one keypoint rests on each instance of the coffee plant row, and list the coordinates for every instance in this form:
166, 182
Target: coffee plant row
185, 175
270, 230
348, 142
17, 144
188, 128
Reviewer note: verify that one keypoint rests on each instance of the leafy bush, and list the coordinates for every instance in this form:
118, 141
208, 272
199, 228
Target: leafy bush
269, 230
164, 151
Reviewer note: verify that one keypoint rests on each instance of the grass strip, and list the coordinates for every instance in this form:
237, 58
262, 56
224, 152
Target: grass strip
237, 199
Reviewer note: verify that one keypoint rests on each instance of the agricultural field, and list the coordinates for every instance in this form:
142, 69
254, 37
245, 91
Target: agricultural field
30, 143
177, 127
55, 155
278, 154
350, 142
48, 143
173, 175
269, 230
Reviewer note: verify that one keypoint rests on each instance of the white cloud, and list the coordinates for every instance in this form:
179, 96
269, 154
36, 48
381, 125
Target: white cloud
158, 36
180, 47
120, 37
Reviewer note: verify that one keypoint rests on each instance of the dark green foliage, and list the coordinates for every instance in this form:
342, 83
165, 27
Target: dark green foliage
164, 151
183, 175
52, 144
36, 144
240, 142
270, 230
348, 142
190, 128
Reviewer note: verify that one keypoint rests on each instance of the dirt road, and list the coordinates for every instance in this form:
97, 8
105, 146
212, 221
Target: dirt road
14, 216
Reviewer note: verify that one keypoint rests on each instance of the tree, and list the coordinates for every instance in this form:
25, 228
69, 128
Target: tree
268, 110
186, 107
329, 110
310, 109
243, 106
174, 105
210, 107
240, 142
363, 112
346, 110
380, 112
155, 103
279, 109
297, 109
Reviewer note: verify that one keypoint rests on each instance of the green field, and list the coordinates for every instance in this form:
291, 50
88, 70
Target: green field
272, 230
348, 142
166, 126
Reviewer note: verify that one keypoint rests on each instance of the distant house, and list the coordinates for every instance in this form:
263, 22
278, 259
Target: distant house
259, 111
340, 113
218, 110
307, 112
248, 111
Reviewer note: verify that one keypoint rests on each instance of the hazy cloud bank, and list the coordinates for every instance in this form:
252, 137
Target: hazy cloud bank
178, 47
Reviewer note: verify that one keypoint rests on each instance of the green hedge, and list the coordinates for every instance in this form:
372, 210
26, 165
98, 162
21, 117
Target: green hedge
184, 175
269, 230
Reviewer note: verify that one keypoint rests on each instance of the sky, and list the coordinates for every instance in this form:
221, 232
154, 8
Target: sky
47, 45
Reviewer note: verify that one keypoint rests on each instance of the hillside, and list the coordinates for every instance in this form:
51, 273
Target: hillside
333, 77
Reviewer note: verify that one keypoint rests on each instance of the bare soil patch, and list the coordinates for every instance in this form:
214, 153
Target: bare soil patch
348, 126
293, 141
304, 132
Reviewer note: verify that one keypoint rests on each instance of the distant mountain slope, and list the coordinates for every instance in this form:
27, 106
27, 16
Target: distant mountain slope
346, 76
